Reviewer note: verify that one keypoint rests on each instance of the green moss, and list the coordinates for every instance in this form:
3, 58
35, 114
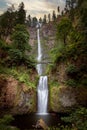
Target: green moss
54, 101
22, 74
78, 118
71, 83
5, 123
54, 83
71, 69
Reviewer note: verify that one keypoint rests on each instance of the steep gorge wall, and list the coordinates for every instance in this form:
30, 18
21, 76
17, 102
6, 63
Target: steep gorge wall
64, 98
15, 97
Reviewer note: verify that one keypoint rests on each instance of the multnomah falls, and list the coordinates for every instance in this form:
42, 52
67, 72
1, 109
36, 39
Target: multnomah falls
43, 65
42, 89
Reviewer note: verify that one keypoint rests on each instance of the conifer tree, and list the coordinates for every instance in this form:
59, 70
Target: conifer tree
54, 16
49, 17
21, 14
45, 19
29, 20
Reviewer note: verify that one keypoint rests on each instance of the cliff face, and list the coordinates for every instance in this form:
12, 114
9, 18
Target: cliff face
33, 36
15, 97
64, 99
48, 33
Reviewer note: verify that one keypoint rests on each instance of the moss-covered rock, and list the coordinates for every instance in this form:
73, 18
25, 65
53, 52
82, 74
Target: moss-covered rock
64, 99
16, 97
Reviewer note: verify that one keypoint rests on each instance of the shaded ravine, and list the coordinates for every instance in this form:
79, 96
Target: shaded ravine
42, 89
29, 121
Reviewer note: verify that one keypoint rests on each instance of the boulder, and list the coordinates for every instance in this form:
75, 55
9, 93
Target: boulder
41, 125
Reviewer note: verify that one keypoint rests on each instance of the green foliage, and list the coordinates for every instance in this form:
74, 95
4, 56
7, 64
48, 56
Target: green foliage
78, 118
34, 22
83, 9
54, 83
23, 77
18, 58
7, 22
83, 80
10, 18
21, 38
19, 52
63, 29
75, 52
71, 70
56, 52
6, 119
21, 74
5, 123
4, 46
71, 83
21, 14
75, 36
54, 15
61, 128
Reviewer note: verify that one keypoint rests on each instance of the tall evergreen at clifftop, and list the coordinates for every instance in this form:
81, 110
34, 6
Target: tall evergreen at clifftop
21, 14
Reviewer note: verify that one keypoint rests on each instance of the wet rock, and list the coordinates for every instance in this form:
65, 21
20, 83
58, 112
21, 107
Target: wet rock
41, 125
64, 99
15, 97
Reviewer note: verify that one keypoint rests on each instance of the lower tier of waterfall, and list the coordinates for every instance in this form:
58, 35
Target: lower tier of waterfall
42, 95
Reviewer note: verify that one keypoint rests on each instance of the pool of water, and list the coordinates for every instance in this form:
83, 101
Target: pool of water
26, 122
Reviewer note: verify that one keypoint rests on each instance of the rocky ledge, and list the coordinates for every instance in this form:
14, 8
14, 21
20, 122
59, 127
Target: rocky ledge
15, 97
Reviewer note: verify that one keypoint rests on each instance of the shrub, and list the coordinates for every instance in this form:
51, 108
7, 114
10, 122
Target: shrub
5, 123
78, 118
6, 119
15, 56
71, 83
72, 70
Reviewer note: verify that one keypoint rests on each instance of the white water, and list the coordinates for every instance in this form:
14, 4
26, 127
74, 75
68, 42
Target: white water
39, 58
42, 89
39, 46
42, 95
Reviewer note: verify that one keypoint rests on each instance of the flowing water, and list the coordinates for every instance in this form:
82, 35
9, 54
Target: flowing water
42, 89
26, 122
42, 95
39, 58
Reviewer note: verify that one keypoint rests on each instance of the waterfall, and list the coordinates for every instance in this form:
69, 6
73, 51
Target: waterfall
39, 47
42, 95
42, 89
39, 58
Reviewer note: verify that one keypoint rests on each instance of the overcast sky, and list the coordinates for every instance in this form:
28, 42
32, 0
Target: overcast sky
34, 7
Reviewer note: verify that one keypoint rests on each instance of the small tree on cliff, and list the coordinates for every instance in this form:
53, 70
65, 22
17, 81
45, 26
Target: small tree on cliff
63, 29
7, 22
49, 17
45, 19
29, 20
20, 46
54, 16
70, 5
21, 38
58, 9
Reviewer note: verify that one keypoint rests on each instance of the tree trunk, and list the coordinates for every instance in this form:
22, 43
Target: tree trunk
65, 40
